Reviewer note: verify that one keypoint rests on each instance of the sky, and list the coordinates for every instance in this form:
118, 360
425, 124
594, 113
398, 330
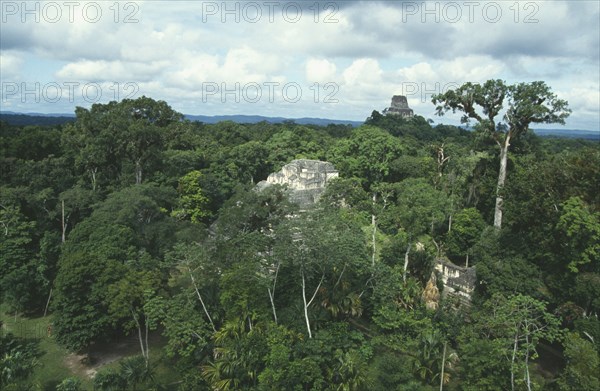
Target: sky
327, 59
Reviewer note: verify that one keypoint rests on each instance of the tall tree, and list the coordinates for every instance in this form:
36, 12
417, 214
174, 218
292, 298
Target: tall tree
527, 103
367, 155
109, 139
518, 323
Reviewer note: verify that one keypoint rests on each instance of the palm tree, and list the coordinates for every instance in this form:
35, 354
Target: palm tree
135, 371
350, 372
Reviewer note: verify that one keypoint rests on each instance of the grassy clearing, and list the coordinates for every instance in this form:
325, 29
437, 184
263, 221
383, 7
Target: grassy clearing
57, 363
52, 368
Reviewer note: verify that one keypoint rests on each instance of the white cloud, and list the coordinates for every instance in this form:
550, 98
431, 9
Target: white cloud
100, 70
373, 50
11, 64
320, 71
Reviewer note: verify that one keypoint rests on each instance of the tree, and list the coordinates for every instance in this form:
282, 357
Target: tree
117, 138
325, 252
126, 234
69, 384
583, 365
81, 313
127, 298
251, 161
193, 262
527, 103
135, 371
467, 228
580, 229
192, 201
21, 280
109, 380
367, 155
18, 359
183, 323
419, 208
518, 323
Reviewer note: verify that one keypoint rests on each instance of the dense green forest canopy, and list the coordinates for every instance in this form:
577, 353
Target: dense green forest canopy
134, 221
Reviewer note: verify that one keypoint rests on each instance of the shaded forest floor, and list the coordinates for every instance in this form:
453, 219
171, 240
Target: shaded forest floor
56, 363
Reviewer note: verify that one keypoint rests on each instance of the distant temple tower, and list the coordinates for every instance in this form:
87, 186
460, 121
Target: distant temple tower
399, 107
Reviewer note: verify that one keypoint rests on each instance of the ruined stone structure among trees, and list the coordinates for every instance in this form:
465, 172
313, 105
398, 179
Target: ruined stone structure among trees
399, 107
306, 179
459, 282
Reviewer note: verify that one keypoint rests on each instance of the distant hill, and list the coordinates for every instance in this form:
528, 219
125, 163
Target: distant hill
253, 119
38, 119
569, 133
20, 119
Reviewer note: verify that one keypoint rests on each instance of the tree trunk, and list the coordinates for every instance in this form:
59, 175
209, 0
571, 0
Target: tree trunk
93, 174
146, 338
512, 363
200, 298
138, 172
527, 378
139, 329
405, 263
307, 304
467, 260
374, 224
443, 365
501, 180
272, 293
450, 223
48, 303
64, 227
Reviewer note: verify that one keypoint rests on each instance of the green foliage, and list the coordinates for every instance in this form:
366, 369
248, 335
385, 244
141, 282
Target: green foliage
514, 326
526, 103
118, 139
581, 230
192, 201
108, 264
583, 365
503, 272
22, 279
420, 207
80, 292
69, 384
397, 304
135, 372
467, 227
590, 327
18, 359
335, 359
366, 154
184, 326
269, 297
483, 365
109, 380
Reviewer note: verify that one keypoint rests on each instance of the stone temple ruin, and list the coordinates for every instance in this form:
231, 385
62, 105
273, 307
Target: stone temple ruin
305, 179
459, 282
399, 107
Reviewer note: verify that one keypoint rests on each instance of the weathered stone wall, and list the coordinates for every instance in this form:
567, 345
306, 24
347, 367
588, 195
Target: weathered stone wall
458, 281
306, 179
399, 106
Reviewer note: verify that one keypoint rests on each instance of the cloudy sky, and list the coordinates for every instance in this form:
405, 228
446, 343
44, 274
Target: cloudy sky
333, 59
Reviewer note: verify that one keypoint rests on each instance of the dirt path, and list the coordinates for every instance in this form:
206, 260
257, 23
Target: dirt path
88, 364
